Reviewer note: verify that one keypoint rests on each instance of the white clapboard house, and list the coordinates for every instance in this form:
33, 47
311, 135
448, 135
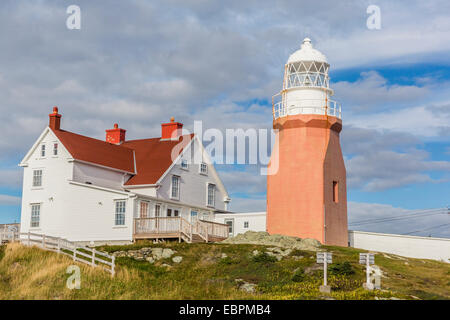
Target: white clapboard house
119, 190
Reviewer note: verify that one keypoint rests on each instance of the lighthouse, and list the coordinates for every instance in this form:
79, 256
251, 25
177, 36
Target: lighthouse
306, 185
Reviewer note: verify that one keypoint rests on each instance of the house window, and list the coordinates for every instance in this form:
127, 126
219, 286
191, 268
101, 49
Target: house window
335, 191
184, 164
211, 195
120, 213
246, 224
175, 194
55, 149
35, 215
143, 212
37, 178
203, 168
43, 150
230, 223
169, 212
194, 215
157, 210
176, 213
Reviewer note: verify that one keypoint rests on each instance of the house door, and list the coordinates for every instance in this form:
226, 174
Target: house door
194, 216
230, 223
143, 212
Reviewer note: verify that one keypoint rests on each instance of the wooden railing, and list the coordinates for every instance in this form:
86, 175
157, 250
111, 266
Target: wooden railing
216, 229
158, 225
173, 225
79, 253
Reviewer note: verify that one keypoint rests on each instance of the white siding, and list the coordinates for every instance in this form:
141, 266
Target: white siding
407, 246
193, 185
98, 176
78, 213
256, 221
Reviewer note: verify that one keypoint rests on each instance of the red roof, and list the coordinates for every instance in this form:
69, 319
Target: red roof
152, 156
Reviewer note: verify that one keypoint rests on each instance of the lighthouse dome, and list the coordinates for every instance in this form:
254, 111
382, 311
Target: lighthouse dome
307, 53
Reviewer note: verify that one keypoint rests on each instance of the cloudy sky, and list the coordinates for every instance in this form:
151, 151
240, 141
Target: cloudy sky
140, 62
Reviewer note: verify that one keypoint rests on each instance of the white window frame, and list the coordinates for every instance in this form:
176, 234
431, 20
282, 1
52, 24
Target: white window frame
55, 149
203, 165
172, 186
118, 203
157, 213
184, 164
230, 226
33, 185
32, 206
43, 151
213, 202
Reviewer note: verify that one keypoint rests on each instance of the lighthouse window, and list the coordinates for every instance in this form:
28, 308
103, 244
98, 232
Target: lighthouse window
335, 191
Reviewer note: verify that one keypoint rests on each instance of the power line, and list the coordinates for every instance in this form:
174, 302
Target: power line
434, 227
402, 217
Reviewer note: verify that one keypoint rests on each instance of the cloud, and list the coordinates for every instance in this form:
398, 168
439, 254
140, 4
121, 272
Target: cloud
379, 160
7, 200
372, 89
425, 220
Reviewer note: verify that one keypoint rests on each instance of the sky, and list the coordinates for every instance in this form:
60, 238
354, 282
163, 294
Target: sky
139, 63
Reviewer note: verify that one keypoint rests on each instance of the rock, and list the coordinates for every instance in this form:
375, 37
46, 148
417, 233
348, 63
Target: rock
277, 256
157, 253
177, 259
248, 287
167, 253
223, 256
310, 270
255, 252
263, 238
168, 266
150, 259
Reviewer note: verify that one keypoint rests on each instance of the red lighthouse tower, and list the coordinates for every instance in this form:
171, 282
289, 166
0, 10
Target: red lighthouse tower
306, 185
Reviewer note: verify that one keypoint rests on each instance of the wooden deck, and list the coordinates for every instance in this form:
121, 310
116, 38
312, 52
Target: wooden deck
179, 228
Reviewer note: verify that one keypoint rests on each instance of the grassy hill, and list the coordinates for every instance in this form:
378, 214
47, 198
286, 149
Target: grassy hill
217, 271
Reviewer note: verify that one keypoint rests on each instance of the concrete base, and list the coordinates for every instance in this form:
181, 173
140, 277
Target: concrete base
325, 289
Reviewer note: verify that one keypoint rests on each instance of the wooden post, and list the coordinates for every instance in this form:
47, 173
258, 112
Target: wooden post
29, 238
43, 240
93, 256
59, 245
74, 252
113, 265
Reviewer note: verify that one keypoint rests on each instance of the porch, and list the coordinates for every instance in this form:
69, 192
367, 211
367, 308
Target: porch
179, 228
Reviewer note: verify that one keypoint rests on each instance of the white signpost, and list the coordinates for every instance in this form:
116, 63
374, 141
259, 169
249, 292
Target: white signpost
325, 258
369, 259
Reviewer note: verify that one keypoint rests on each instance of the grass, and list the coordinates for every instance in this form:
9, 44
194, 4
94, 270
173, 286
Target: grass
31, 273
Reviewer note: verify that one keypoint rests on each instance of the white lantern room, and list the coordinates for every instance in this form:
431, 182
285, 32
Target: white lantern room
306, 85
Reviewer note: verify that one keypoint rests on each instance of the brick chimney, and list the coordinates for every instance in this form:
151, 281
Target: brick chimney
54, 119
171, 130
116, 135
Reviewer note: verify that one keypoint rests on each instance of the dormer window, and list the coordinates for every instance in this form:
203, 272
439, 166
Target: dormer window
184, 164
203, 168
43, 151
55, 149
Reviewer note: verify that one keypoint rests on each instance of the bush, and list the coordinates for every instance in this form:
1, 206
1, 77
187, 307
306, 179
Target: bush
264, 258
227, 261
341, 268
299, 275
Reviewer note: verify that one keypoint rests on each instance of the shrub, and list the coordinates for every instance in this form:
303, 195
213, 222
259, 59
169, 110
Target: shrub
341, 268
227, 261
264, 258
299, 275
